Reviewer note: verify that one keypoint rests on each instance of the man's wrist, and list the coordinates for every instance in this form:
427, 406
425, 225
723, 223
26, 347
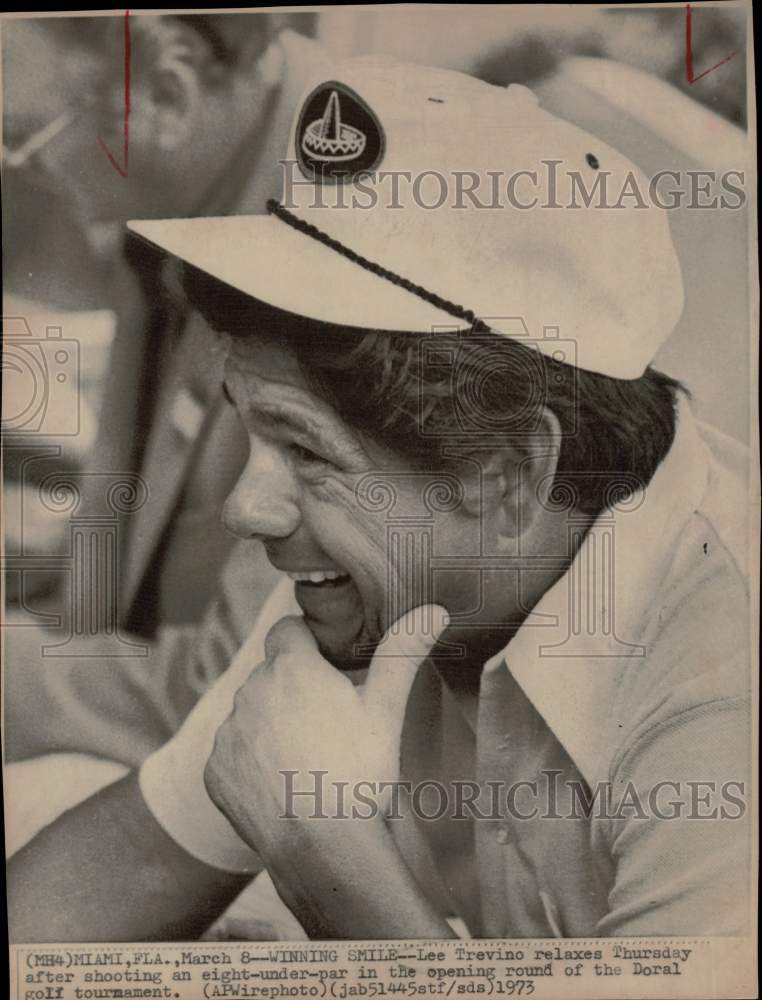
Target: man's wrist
347, 878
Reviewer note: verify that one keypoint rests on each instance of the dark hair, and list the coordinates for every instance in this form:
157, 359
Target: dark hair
411, 392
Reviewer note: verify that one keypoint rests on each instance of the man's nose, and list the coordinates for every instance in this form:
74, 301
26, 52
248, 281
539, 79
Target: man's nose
264, 501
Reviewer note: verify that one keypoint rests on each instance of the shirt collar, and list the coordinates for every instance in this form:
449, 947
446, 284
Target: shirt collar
572, 675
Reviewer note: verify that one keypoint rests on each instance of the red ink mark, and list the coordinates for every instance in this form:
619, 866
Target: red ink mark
126, 143
689, 51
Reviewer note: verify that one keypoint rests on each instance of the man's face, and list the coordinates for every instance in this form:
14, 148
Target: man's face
342, 515
74, 99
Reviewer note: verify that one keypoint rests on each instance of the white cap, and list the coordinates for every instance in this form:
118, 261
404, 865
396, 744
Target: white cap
606, 277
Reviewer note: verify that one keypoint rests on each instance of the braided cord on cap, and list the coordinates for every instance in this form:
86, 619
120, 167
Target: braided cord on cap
274, 208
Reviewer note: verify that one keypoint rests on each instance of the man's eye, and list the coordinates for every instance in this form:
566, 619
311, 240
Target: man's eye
303, 454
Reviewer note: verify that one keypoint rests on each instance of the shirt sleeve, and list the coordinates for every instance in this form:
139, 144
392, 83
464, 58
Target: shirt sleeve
678, 834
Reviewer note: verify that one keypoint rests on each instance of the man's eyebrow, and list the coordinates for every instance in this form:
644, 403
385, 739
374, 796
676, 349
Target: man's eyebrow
272, 413
320, 427
293, 416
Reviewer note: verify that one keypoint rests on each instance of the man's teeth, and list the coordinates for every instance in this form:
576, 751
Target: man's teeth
317, 576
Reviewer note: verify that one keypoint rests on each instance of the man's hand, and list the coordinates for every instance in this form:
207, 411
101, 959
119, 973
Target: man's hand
297, 713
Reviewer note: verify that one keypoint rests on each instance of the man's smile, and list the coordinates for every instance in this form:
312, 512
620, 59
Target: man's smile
329, 599
318, 577
326, 596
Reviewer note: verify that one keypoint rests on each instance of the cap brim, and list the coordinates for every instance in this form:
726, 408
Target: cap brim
268, 260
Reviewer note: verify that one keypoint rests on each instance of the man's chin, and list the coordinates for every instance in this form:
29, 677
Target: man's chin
343, 652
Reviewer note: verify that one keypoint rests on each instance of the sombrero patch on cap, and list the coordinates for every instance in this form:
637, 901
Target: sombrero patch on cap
337, 135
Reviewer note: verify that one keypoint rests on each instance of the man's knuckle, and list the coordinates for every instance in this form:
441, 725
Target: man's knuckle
211, 778
240, 699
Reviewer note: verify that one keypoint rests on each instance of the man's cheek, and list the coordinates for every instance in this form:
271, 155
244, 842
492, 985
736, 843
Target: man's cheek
356, 538
388, 559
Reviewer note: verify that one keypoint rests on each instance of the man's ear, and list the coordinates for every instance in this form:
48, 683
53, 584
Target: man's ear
523, 475
173, 96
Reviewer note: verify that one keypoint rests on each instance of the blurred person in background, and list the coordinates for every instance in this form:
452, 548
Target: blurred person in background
211, 102
52, 277
211, 98
47, 255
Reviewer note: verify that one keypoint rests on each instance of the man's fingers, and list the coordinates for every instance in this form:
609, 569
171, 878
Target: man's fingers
396, 661
290, 637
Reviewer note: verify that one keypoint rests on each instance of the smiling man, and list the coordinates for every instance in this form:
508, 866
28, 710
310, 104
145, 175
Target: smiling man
510, 575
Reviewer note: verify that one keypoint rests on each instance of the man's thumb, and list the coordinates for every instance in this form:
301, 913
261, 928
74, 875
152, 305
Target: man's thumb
395, 663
